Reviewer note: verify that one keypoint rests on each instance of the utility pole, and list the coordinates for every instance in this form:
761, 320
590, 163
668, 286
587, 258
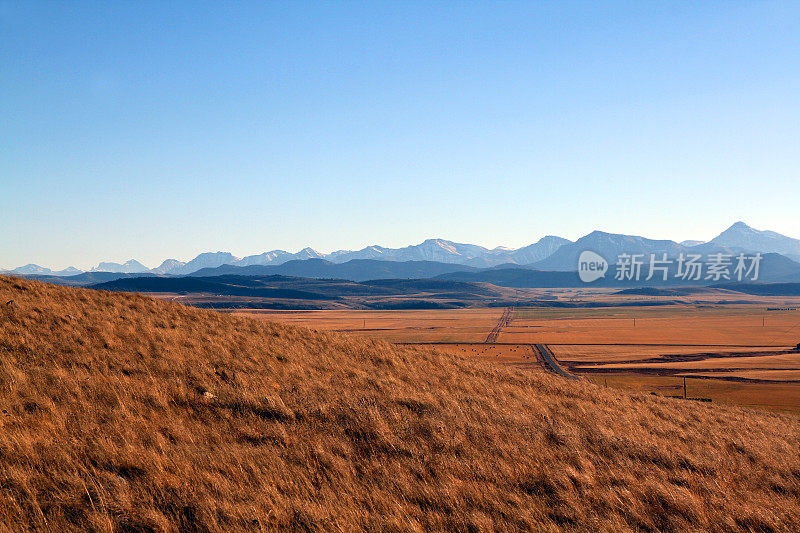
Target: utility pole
684, 388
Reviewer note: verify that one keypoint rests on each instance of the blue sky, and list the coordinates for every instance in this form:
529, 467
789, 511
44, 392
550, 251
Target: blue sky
164, 129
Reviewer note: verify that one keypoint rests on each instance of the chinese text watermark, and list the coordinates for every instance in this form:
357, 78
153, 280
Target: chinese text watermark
716, 267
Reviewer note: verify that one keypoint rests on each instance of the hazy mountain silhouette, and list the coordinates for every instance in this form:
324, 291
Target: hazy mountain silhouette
356, 269
204, 260
774, 268
32, 269
740, 236
444, 251
131, 266
608, 245
438, 250
168, 266
549, 253
538, 251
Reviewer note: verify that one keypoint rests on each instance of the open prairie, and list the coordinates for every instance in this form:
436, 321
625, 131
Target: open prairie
125, 413
451, 325
739, 350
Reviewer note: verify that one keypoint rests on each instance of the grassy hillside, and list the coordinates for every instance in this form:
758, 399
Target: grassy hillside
125, 413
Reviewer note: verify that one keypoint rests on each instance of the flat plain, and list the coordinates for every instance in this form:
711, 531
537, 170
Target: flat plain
730, 349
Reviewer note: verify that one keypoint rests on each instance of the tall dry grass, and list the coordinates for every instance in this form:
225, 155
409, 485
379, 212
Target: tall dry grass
122, 413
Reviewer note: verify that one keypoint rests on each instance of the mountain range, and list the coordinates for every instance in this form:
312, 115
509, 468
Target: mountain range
550, 253
741, 237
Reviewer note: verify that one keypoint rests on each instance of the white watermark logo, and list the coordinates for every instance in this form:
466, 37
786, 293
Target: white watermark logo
716, 267
591, 266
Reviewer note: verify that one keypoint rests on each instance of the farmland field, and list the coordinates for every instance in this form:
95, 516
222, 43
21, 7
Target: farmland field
462, 325
739, 353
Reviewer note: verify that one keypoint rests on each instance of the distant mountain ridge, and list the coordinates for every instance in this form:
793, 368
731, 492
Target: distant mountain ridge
354, 270
774, 268
129, 267
433, 250
608, 245
550, 253
168, 265
31, 269
740, 236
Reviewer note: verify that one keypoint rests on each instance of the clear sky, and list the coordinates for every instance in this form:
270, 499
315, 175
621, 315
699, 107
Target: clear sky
163, 129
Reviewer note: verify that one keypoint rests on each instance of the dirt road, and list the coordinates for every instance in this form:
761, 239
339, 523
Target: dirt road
505, 320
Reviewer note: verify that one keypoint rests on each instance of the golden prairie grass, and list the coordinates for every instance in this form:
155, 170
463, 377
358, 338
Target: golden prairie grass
123, 413
633, 365
440, 325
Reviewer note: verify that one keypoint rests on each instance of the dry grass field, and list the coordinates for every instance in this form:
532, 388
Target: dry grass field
739, 354
124, 413
776, 397
456, 325
520, 355
738, 350
734, 326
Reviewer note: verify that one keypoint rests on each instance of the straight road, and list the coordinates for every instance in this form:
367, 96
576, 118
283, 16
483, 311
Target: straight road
505, 320
542, 352
549, 361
